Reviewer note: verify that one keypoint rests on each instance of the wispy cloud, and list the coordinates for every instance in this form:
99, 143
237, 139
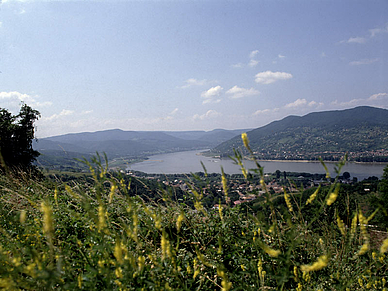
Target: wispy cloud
237, 92
13, 100
379, 99
269, 77
253, 54
301, 102
63, 113
208, 115
363, 62
211, 94
253, 63
281, 56
375, 31
263, 111
363, 39
194, 82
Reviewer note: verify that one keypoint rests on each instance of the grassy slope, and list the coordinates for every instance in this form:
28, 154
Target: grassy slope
98, 235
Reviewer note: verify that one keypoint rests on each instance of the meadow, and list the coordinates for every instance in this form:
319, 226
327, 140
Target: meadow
95, 235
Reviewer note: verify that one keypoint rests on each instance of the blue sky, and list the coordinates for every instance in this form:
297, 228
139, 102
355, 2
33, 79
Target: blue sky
189, 65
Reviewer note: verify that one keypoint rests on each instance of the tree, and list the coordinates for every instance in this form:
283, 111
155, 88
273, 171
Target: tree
16, 135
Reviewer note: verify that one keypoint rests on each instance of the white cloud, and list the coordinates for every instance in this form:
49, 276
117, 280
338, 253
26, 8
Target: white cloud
303, 103
378, 96
237, 92
296, 103
208, 115
194, 82
356, 40
253, 63
264, 111
363, 62
86, 112
269, 77
281, 56
375, 31
12, 101
379, 99
64, 112
211, 94
253, 54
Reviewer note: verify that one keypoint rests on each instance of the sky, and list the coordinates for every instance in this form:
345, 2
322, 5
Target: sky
189, 65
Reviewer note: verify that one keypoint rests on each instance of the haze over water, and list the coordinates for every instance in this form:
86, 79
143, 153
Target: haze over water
190, 161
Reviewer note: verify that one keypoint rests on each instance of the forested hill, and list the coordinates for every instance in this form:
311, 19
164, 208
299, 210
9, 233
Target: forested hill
61, 150
360, 131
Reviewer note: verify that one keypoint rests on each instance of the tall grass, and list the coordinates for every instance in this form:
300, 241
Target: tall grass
94, 236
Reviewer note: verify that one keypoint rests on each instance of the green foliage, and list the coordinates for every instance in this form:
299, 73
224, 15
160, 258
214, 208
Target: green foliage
97, 234
16, 135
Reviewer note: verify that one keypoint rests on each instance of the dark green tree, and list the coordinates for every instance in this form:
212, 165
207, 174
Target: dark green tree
16, 135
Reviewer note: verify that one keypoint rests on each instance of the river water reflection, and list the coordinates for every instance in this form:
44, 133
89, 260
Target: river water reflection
190, 162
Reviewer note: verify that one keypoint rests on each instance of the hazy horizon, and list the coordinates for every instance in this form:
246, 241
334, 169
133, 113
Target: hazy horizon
189, 65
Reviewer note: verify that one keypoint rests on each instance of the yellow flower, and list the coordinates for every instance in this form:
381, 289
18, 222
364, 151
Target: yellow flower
384, 246
341, 225
333, 195
244, 137
48, 226
288, 202
272, 252
179, 220
318, 265
312, 197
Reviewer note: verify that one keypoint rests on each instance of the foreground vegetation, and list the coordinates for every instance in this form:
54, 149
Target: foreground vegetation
98, 235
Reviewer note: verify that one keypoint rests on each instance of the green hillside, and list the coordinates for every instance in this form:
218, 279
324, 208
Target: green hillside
361, 131
60, 151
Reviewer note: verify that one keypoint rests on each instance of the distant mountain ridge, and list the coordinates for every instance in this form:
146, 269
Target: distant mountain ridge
360, 131
118, 143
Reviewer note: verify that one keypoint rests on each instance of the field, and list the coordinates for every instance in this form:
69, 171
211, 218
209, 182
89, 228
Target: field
95, 234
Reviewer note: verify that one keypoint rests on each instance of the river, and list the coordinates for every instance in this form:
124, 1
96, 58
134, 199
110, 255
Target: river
190, 162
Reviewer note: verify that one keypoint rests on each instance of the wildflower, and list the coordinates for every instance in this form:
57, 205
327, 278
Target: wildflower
165, 244
101, 218
113, 189
341, 225
80, 281
196, 273
244, 137
141, 262
353, 226
119, 272
333, 196
272, 252
312, 197
384, 246
23, 216
364, 248
226, 285
179, 220
296, 273
56, 195
288, 202
48, 227
224, 183
318, 265
118, 253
